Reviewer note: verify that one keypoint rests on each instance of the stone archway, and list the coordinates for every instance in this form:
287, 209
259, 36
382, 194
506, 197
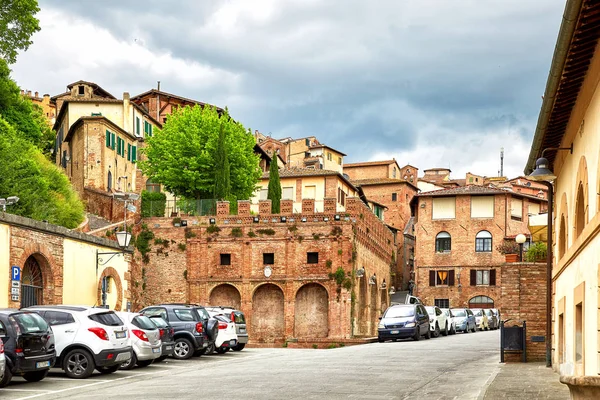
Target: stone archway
311, 318
32, 282
268, 318
115, 287
481, 302
225, 295
37, 269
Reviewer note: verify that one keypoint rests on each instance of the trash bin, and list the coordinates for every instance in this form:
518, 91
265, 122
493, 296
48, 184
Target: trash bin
512, 339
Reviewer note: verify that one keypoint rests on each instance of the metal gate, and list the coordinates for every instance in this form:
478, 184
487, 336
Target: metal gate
32, 286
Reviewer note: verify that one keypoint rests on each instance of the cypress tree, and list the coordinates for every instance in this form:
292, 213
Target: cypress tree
222, 188
274, 191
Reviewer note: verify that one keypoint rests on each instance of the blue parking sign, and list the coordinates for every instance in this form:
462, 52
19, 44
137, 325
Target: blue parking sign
16, 273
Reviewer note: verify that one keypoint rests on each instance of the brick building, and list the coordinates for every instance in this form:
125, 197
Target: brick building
278, 269
44, 102
457, 231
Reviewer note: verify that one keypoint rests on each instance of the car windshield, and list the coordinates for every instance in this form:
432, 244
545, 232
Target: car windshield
159, 322
430, 310
106, 318
30, 322
459, 313
239, 317
398, 312
477, 313
143, 322
489, 313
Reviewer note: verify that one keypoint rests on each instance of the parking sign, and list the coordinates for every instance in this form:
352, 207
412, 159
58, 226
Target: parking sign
16, 273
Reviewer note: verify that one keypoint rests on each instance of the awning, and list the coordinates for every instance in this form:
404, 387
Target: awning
538, 226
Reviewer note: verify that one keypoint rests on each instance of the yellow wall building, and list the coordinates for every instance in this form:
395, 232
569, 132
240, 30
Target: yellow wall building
569, 119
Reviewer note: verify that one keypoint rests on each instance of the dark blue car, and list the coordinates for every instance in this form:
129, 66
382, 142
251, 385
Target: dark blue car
404, 321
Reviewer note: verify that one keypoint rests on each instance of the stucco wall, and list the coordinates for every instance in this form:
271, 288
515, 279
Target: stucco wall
4, 263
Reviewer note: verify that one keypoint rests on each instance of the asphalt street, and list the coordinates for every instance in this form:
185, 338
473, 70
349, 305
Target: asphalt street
460, 366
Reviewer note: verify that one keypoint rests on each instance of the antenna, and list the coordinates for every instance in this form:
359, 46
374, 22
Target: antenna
501, 161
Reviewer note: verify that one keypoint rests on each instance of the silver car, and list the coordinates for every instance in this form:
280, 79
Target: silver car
144, 336
2, 359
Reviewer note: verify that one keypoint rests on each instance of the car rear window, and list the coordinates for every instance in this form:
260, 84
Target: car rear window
106, 318
186, 314
239, 317
397, 312
143, 322
159, 312
29, 322
159, 322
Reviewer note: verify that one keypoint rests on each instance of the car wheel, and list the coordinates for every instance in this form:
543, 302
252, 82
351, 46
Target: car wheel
474, 328
144, 363
199, 353
417, 335
129, 364
428, 334
453, 330
35, 376
436, 332
380, 340
240, 346
108, 370
78, 364
183, 349
445, 331
6, 377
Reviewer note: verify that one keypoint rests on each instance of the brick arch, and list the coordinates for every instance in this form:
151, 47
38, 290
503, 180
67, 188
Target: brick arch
481, 305
268, 312
225, 294
581, 192
113, 273
266, 283
50, 271
311, 317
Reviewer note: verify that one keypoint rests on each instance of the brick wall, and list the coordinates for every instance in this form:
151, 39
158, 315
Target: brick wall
367, 171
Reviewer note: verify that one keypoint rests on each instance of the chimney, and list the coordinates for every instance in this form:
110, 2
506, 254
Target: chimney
46, 96
158, 86
29, 93
37, 94
127, 114
22, 92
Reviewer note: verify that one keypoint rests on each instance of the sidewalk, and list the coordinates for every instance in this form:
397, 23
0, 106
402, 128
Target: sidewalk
526, 381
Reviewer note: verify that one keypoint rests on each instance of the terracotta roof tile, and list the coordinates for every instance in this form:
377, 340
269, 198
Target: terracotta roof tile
369, 163
376, 181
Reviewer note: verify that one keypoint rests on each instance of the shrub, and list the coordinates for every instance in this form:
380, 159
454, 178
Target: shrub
508, 247
268, 232
332, 346
315, 346
336, 231
153, 204
236, 232
293, 228
213, 229
251, 234
142, 243
189, 233
536, 251
316, 236
181, 246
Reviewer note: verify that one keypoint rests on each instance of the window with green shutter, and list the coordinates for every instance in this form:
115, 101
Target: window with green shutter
128, 152
149, 129
137, 125
107, 138
112, 141
133, 154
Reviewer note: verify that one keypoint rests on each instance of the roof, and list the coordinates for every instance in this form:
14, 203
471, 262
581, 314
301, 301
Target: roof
301, 172
97, 89
380, 181
474, 190
161, 93
81, 120
575, 47
324, 146
369, 163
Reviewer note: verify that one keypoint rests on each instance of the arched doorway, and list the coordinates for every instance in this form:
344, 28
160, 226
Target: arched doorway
268, 322
32, 283
312, 312
481, 302
109, 186
225, 295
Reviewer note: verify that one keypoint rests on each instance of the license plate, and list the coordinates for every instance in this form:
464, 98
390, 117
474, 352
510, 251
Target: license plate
120, 334
394, 332
123, 357
42, 364
156, 350
168, 347
232, 342
242, 330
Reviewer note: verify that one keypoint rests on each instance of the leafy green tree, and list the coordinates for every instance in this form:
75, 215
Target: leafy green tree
44, 191
274, 189
17, 24
27, 118
183, 154
222, 172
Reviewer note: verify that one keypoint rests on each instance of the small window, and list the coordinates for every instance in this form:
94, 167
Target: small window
394, 172
268, 258
185, 315
81, 90
442, 303
483, 278
58, 318
443, 242
483, 242
312, 258
225, 259
339, 160
394, 196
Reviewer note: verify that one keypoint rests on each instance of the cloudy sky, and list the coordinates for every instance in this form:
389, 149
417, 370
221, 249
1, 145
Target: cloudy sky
431, 83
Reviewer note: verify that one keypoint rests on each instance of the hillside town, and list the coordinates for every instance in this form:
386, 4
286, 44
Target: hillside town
165, 215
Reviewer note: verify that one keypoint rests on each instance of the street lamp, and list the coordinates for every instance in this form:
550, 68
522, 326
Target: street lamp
543, 174
10, 200
520, 239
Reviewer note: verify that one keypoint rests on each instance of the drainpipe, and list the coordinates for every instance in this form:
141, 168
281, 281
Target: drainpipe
567, 29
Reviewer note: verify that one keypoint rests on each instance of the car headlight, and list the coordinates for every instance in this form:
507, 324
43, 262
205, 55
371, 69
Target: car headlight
410, 325
381, 325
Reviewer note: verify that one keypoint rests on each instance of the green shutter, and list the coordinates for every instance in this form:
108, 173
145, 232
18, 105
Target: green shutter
137, 125
133, 153
128, 152
149, 129
112, 141
107, 138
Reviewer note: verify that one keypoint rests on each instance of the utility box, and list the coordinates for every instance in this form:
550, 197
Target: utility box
512, 339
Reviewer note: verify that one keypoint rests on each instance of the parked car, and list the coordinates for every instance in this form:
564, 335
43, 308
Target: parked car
144, 339
29, 347
87, 338
240, 324
404, 321
437, 320
188, 328
497, 314
210, 325
493, 322
2, 359
451, 322
167, 338
464, 320
481, 319
226, 338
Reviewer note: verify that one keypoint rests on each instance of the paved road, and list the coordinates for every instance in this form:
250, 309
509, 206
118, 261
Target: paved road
453, 367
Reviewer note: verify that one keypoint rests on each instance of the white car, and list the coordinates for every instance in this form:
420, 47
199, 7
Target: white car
86, 338
2, 359
438, 323
226, 336
144, 338
451, 322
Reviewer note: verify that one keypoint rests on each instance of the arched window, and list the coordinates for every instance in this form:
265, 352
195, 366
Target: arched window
580, 211
394, 172
443, 242
152, 187
481, 302
32, 284
483, 242
562, 237
109, 186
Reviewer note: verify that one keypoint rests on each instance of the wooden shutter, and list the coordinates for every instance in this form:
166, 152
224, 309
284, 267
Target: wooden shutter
129, 152
137, 125
112, 141
134, 153
451, 277
149, 129
492, 277
431, 278
107, 138
473, 277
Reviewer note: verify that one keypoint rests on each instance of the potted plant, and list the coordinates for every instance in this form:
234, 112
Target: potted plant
537, 252
510, 249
